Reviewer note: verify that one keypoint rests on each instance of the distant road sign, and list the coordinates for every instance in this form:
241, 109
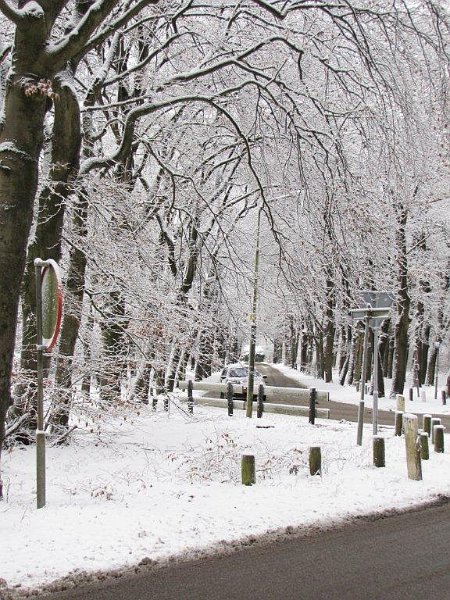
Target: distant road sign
375, 299
373, 313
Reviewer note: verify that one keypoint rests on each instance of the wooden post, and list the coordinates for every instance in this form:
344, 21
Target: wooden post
260, 401
400, 403
248, 469
315, 461
444, 397
434, 421
411, 394
413, 461
424, 447
378, 451
312, 405
438, 438
427, 424
230, 399
190, 401
398, 422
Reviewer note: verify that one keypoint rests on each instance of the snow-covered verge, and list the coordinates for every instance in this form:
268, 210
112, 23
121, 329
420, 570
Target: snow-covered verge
349, 395
150, 485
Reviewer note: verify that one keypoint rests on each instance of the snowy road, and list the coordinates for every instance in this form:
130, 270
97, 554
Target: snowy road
339, 410
404, 556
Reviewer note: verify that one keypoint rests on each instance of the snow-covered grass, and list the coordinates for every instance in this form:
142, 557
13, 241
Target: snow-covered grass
150, 485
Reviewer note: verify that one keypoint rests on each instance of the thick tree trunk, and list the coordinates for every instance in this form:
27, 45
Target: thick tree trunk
431, 370
345, 353
403, 306
330, 329
48, 235
203, 368
21, 139
424, 354
142, 387
319, 355
72, 316
358, 354
115, 347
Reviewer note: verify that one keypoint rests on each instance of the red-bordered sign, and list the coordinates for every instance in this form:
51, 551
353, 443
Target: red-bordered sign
52, 304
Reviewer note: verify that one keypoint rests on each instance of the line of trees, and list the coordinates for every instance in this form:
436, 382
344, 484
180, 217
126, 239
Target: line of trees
138, 139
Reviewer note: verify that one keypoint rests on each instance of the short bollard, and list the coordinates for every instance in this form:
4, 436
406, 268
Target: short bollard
412, 444
398, 422
260, 402
315, 460
423, 395
230, 399
434, 421
438, 431
427, 424
312, 405
424, 446
190, 400
400, 403
378, 451
444, 397
248, 469
411, 394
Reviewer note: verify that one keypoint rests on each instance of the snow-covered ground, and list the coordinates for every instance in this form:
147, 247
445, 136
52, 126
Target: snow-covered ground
148, 485
349, 394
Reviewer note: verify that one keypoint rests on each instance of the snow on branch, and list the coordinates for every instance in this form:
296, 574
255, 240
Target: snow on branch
289, 6
13, 14
78, 41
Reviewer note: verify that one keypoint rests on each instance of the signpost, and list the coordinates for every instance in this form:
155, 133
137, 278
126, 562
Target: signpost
49, 301
375, 308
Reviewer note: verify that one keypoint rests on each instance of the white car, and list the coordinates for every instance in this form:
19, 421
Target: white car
237, 374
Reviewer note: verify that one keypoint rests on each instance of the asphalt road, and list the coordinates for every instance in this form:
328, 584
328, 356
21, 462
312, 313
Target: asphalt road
339, 410
401, 557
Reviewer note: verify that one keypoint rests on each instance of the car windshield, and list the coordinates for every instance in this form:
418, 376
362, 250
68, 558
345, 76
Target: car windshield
239, 372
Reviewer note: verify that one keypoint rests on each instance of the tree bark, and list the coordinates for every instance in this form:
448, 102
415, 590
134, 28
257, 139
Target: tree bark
402, 305
21, 141
47, 241
328, 353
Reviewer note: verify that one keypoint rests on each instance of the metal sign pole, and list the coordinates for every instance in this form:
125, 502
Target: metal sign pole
359, 434
376, 308
375, 381
40, 434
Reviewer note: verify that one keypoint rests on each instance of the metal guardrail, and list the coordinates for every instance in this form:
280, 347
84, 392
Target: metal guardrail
312, 395
270, 391
282, 409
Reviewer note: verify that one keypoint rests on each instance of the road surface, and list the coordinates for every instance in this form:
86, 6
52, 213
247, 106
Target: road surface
403, 556
339, 410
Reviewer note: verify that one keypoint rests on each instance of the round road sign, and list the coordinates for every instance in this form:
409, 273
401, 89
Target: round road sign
52, 302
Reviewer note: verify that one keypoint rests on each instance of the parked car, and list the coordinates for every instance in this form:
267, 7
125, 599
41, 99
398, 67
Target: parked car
237, 374
259, 357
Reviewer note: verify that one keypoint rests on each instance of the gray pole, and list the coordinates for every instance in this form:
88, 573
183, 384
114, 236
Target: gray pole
252, 348
363, 383
40, 434
375, 381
